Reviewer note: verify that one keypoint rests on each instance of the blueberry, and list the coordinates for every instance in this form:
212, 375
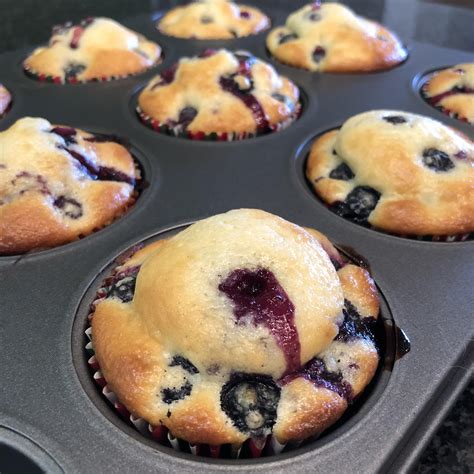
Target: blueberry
318, 54
251, 401
69, 206
25, 181
186, 116
72, 70
437, 160
279, 97
244, 14
316, 371
358, 205
166, 77
123, 289
354, 326
207, 53
342, 172
186, 364
206, 19
395, 119
170, 395
67, 134
313, 16
288, 37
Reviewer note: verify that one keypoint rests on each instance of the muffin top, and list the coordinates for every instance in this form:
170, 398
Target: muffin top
213, 19
58, 184
452, 90
220, 91
94, 49
397, 171
253, 318
5, 99
331, 38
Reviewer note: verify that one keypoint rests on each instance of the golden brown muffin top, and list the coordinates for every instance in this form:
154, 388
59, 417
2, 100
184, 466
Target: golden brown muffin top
94, 49
213, 19
220, 91
397, 171
58, 183
452, 90
332, 38
220, 331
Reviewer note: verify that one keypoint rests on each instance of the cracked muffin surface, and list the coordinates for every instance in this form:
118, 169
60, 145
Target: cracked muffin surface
330, 37
452, 91
213, 19
263, 328
220, 92
93, 50
59, 183
396, 171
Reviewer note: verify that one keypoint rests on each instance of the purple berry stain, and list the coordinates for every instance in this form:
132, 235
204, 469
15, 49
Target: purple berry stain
229, 84
258, 295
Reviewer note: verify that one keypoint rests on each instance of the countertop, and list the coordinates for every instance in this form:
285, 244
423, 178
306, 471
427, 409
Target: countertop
440, 22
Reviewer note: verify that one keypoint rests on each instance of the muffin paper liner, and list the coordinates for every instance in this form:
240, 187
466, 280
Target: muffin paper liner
179, 131
30, 72
439, 107
251, 448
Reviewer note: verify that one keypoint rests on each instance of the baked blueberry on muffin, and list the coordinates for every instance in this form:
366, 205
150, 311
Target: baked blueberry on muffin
243, 325
213, 19
398, 172
58, 184
219, 95
5, 99
452, 91
332, 38
96, 49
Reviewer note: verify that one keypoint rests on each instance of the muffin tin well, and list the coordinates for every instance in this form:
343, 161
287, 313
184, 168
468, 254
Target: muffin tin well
47, 392
391, 341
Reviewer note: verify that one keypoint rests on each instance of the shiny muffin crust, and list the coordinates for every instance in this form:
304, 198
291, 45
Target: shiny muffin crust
452, 91
58, 184
5, 99
398, 172
331, 38
213, 19
96, 49
211, 364
219, 92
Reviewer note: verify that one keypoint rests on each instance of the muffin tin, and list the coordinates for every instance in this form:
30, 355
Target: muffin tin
53, 414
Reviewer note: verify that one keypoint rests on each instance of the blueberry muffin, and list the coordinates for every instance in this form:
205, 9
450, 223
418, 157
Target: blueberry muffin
219, 94
96, 49
331, 38
262, 329
5, 99
398, 172
58, 184
213, 19
452, 91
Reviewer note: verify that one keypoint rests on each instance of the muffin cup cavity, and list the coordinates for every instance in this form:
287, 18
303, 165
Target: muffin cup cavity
386, 334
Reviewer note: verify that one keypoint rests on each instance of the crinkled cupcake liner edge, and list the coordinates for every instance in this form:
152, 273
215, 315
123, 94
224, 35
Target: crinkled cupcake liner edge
180, 132
33, 74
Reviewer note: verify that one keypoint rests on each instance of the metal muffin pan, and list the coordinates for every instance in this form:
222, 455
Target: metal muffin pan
48, 400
